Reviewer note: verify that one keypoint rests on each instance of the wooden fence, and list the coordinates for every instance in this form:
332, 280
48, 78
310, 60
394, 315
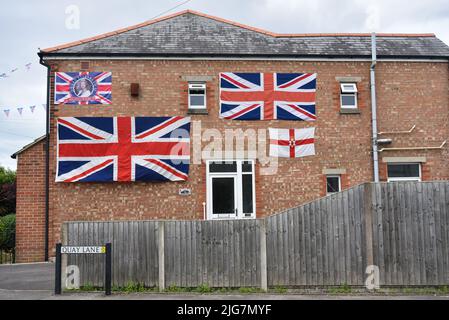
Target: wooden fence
403, 228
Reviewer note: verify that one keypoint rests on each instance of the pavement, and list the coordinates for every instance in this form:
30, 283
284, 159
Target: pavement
27, 276
28, 281
36, 282
171, 296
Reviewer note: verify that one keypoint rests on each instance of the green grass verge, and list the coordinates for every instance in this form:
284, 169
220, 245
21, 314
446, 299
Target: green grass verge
344, 289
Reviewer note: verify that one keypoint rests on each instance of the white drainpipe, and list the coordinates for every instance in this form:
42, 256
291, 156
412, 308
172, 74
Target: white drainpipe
374, 107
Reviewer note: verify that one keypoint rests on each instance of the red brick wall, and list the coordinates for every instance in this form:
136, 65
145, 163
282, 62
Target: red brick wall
342, 140
405, 100
30, 212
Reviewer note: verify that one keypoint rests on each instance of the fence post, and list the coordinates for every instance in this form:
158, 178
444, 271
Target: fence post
108, 270
263, 255
58, 269
368, 213
161, 255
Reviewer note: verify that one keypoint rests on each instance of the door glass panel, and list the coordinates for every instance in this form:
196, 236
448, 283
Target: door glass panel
223, 201
247, 188
247, 166
230, 166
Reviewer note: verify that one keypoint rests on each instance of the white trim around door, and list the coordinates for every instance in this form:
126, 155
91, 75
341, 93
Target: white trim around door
231, 184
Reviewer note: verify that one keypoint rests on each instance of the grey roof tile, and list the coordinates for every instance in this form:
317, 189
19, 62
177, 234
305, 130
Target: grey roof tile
192, 34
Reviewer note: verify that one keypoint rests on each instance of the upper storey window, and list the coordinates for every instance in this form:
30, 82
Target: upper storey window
197, 96
348, 95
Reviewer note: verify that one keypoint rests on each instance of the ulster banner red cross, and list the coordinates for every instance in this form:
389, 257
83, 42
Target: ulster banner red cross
292, 143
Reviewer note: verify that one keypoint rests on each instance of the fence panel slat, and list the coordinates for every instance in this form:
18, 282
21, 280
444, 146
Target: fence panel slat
319, 243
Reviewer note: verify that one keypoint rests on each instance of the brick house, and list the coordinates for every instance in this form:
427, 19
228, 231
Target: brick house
166, 55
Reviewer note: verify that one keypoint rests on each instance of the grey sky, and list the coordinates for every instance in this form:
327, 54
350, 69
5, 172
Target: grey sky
26, 25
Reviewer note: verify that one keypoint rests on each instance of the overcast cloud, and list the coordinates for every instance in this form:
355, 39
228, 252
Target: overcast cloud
27, 25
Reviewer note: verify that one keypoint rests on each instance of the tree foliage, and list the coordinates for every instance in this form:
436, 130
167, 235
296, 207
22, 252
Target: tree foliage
7, 175
7, 198
7, 191
7, 232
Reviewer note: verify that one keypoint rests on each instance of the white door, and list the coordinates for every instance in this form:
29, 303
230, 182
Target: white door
230, 190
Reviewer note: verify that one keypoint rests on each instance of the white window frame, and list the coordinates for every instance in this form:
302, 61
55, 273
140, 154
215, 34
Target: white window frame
339, 182
238, 189
352, 89
396, 179
197, 85
353, 92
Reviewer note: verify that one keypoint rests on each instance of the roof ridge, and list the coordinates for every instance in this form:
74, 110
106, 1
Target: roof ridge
237, 24
294, 35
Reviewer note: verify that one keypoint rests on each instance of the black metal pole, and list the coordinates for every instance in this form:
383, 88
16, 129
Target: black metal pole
47, 160
108, 270
58, 269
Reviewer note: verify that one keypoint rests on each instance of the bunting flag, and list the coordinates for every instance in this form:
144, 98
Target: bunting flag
22, 110
5, 75
105, 149
292, 143
83, 88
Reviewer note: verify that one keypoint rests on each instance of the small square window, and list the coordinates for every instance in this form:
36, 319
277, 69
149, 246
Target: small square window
197, 96
333, 184
348, 95
349, 100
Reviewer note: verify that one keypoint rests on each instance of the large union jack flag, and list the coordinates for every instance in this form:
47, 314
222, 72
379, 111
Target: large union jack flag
123, 149
267, 96
83, 87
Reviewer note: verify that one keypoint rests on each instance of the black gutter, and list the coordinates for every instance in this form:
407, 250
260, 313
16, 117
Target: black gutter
224, 55
47, 160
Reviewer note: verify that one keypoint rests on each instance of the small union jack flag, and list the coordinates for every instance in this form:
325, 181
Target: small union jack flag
267, 96
83, 87
123, 149
292, 143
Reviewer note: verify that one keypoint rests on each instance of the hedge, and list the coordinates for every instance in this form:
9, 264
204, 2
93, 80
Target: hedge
7, 232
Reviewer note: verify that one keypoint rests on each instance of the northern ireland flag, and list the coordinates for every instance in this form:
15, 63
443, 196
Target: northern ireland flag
292, 143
